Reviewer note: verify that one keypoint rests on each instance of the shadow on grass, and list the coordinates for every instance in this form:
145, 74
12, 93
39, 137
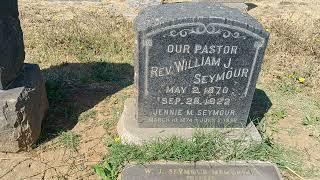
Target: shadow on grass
76, 88
259, 107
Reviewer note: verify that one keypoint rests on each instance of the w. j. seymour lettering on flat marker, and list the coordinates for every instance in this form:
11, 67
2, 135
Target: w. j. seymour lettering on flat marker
197, 65
202, 171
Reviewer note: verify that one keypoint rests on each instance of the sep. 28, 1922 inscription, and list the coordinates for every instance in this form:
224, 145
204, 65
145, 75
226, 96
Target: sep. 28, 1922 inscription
197, 72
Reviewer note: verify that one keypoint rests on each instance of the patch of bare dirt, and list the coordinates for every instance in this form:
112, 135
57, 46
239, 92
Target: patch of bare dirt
51, 161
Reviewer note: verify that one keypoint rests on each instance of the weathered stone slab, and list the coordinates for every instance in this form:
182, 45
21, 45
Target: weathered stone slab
11, 50
197, 69
23, 108
131, 133
202, 171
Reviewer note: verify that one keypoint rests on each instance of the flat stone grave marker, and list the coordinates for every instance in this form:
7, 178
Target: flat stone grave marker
202, 171
197, 65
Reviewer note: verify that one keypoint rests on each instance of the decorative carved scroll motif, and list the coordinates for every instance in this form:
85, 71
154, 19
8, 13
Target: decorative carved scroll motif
203, 29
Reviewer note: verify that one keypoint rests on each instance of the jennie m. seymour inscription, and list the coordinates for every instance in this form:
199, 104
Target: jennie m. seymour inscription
198, 64
202, 171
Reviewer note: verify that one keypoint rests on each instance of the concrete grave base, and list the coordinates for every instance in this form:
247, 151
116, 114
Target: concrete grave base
23, 107
129, 131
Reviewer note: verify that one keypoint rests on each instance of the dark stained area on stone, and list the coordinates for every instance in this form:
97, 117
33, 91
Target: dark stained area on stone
197, 68
201, 171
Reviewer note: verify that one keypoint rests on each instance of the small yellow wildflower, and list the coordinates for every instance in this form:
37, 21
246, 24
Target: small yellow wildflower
301, 80
117, 140
267, 30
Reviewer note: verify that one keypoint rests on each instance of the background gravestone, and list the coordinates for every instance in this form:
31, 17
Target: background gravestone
197, 68
11, 50
9, 8
23, 97
11, 46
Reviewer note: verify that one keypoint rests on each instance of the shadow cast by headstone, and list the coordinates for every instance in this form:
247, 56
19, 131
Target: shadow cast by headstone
259, 107
251, 6
76, 88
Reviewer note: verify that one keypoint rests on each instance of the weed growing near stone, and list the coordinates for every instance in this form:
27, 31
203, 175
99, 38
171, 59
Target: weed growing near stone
311, 120
69, 140
313, 125
91, 114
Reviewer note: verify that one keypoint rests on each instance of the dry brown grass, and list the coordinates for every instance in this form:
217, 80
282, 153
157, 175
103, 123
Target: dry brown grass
75, 33
294, 46
294, 49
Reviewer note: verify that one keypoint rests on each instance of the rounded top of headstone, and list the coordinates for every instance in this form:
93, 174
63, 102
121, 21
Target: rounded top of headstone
9, 8
157, 15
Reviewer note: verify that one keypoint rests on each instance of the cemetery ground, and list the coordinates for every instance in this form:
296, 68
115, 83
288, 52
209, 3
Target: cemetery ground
86, 53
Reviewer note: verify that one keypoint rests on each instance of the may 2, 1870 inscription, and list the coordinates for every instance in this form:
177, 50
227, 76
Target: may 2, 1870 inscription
198, 64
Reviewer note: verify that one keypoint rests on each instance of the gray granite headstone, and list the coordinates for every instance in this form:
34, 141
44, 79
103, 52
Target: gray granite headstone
202, 171
197, 65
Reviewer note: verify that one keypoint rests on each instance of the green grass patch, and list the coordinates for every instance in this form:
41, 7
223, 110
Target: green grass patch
288, 87
311, 120
312, 123
214, 146
69, 140
278, 115
90, 114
